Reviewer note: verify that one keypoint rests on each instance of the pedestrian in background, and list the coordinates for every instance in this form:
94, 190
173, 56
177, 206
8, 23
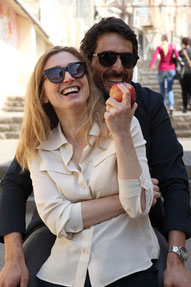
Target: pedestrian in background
166, 69
185, 80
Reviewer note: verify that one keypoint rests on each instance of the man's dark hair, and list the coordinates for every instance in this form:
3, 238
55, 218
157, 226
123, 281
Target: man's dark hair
185, 41
107, 25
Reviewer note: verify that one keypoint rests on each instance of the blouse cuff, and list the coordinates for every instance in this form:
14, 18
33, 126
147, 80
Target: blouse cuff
133, 187
75, 223
130, 193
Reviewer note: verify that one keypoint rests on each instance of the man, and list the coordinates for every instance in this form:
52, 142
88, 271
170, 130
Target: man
163, 151
185, 82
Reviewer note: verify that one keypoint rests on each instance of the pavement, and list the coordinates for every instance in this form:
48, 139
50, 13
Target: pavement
7, 152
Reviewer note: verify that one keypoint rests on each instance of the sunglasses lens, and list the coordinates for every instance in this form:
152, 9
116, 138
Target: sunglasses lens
127, 60
55, 75
76, 70
107, 59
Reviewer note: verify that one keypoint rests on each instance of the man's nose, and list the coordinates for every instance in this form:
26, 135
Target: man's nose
67, 77
118, 66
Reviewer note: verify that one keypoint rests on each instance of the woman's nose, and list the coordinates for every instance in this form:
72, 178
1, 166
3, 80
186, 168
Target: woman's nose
67, 77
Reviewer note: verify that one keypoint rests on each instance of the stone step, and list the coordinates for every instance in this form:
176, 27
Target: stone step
16, 98
9, 117
155, 87
181, 117
9, 135
10, 127
14, 104
12, 109
182, 126
183, 134
10, 124
154, 82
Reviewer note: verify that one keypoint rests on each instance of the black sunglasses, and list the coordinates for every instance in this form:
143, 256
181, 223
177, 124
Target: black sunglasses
57, 74
108, 59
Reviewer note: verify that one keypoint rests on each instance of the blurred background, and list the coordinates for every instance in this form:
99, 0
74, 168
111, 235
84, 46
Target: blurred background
29, 27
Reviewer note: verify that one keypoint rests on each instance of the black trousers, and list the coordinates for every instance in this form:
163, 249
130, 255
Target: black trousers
38, 245
185, 83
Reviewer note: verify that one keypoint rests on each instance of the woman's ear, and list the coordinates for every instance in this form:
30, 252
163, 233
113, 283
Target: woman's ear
44, 98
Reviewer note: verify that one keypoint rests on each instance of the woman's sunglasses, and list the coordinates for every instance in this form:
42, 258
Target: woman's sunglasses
57, 74
108, 59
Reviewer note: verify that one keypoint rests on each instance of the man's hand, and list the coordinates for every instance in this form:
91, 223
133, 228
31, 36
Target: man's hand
15, 272
155, 190
153, 67
176, 274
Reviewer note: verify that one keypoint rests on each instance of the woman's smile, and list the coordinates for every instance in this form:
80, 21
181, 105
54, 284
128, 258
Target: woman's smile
70, 90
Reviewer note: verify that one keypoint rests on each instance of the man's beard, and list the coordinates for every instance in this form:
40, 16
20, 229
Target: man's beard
100, 81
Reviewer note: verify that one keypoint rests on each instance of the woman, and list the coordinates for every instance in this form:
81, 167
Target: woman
90, 177
185, 80
166, 69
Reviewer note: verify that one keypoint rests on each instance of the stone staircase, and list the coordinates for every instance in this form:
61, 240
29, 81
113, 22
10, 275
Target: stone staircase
11, 116
181, 122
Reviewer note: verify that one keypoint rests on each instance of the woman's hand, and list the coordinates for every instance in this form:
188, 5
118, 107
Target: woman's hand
118, 115
153, 67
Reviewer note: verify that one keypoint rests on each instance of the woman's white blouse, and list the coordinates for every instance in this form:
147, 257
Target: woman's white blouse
110, 250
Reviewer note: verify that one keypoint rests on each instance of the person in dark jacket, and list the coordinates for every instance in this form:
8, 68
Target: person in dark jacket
110, 45
185, 80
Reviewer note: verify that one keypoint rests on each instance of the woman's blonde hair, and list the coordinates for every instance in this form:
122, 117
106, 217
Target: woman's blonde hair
164, 44
40, 118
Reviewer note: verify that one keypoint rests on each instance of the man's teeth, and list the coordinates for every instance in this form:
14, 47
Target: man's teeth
70, 90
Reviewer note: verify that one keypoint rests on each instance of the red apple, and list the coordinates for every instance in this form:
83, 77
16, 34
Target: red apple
116, 93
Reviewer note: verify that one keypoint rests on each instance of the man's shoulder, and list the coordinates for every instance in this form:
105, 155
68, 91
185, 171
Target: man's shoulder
147, 95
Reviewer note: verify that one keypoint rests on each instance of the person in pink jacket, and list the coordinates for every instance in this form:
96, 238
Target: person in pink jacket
166, 69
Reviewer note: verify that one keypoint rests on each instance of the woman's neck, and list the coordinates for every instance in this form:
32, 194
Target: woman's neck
71, 123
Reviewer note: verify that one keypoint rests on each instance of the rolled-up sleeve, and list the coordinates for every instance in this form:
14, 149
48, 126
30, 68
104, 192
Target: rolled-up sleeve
130, 195
60, 215
130, 189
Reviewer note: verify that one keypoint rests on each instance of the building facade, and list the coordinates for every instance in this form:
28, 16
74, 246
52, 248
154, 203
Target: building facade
22, 41
30, 27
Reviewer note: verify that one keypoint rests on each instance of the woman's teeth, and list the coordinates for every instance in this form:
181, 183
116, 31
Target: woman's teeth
70, 90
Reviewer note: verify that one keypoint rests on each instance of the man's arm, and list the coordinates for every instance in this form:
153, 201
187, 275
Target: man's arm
16, 188
176, 275
165, 154
14, 272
